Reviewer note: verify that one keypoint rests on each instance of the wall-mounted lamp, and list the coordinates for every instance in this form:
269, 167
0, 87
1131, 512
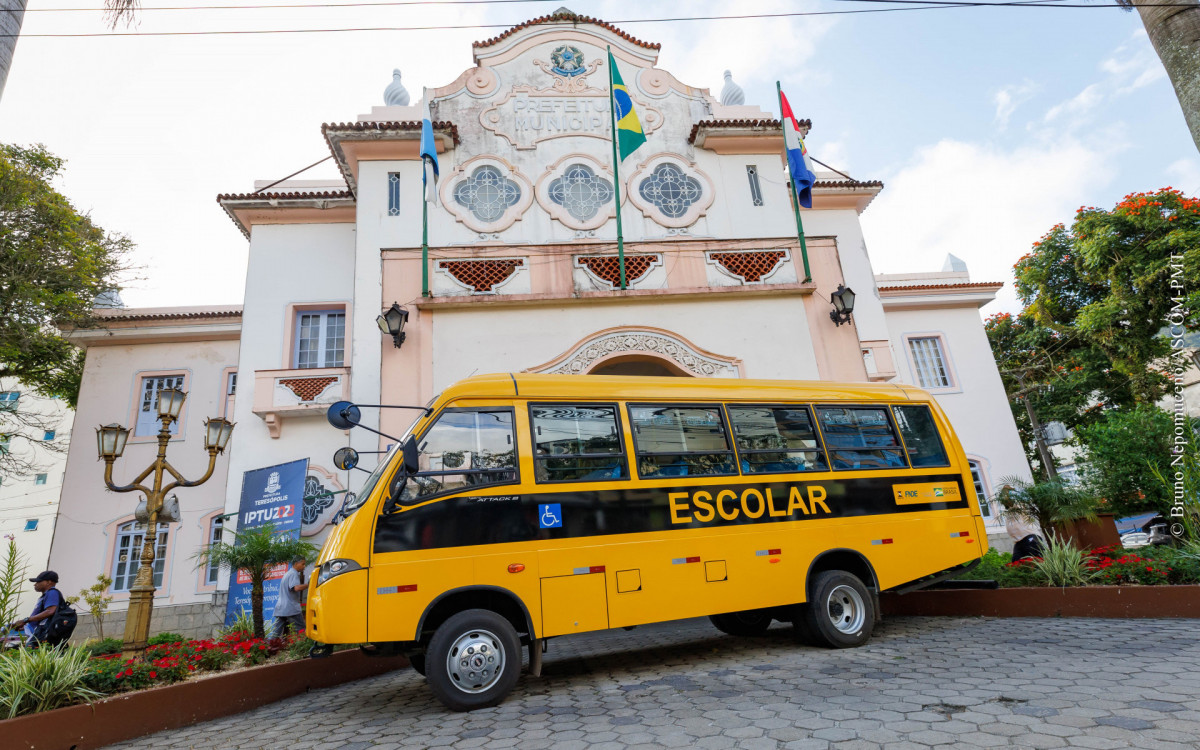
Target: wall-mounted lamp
843, 305
392, 322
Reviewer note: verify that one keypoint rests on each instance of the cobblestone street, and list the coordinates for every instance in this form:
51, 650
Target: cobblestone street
920, 682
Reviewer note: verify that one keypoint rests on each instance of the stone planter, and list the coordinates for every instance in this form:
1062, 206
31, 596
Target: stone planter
131, 715
1083, 601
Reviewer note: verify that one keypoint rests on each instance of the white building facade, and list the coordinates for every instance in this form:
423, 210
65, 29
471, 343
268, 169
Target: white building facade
35, 431
522, 265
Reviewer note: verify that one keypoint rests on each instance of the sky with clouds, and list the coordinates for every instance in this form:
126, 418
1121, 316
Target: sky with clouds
987, 125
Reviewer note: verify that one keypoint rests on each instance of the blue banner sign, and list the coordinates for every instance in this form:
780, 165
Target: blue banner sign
274, 495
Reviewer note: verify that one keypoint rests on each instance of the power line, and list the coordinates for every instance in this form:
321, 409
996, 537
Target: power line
409, 3
930, 5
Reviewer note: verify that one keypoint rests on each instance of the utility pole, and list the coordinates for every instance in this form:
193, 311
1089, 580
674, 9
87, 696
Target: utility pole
1038, 434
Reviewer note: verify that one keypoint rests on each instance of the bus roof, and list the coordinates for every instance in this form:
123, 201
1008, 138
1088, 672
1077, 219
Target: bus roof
627, 388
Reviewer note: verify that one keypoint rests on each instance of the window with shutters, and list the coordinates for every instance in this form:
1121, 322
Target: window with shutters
213, 571
320, 339
127, 554
929, 362
147, 422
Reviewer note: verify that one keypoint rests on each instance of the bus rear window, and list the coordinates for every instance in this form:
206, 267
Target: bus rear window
776, 439
680, 441
577, 442
860, 437
920, 435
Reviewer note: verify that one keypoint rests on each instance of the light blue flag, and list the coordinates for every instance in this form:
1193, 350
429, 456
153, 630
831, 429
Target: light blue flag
428, 152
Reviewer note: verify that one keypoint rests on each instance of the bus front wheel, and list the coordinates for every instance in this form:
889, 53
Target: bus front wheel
840, 613
752, 622
473, 660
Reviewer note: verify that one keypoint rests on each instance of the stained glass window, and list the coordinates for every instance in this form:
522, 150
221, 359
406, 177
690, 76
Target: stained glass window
670, 190
487, 193
581, 191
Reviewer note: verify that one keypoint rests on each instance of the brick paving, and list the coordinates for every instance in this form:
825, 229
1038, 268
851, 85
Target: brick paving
920, 683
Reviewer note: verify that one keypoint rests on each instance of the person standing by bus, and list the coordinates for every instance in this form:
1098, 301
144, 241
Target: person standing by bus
289, 607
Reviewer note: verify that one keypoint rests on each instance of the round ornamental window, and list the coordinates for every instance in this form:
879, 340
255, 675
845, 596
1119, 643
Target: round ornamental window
581, 191
670, 190
487, 193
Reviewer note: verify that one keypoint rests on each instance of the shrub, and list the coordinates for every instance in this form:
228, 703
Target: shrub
1063, 564
33, 680
161, 638
97, 601
104, 646
12, 581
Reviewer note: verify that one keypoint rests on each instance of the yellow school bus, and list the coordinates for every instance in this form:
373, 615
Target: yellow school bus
522, 507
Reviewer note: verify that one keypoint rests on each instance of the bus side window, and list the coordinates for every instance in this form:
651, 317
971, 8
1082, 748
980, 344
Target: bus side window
773, 440
920, 435
465, 448
577, 443
860, 437
679, 441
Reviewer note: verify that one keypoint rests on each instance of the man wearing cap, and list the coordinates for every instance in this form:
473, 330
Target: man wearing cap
289, 607
47, 604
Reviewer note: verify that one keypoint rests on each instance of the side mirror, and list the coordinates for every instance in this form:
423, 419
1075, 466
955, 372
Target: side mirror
345, 458
412, 462
343, 415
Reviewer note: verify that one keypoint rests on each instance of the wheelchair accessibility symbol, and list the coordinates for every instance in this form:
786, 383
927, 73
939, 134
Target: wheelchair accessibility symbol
550, 516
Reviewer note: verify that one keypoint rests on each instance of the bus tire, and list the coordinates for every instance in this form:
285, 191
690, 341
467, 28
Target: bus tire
841, 612
750, 623
801, 630
473, 660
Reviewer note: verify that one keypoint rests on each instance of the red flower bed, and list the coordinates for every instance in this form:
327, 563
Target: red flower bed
1115, 565
171, 662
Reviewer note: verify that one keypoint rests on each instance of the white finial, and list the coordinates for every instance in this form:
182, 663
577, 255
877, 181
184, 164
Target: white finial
732, 95
395, 95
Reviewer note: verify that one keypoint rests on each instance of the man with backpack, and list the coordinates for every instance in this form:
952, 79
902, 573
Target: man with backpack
38, 627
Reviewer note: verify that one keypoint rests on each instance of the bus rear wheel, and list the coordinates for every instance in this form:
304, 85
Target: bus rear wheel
752, 622
840, 613
473, 660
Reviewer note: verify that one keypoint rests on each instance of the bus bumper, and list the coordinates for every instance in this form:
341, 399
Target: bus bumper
336, 609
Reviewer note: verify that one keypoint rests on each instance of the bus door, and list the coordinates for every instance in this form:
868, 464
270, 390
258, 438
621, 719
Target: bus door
459, 523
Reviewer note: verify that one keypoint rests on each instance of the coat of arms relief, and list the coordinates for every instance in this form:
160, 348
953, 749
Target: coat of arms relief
568, 106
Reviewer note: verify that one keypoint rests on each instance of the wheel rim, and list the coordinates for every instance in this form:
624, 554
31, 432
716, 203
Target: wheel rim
475, 661
845, 609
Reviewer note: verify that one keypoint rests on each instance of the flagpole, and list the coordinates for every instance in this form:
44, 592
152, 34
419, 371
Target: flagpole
795, 197
424, 236
612, 112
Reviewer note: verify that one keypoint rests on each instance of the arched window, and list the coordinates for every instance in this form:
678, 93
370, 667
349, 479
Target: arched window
581, 191
670, 190
127, 554
487, 193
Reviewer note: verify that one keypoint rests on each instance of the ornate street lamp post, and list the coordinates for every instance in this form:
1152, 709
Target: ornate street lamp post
110, 441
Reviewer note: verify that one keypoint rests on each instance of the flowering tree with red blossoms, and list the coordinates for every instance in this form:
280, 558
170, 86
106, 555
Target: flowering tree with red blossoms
1099, 299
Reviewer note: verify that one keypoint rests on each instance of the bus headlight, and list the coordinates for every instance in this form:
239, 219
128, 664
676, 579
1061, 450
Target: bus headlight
336, 567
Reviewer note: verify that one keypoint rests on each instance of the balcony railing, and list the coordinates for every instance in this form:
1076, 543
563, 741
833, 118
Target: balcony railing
287, 394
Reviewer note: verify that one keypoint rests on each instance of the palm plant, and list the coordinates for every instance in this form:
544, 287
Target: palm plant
1048, 502
255, 551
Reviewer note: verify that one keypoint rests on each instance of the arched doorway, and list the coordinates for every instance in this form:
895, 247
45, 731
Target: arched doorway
635, 365
640, 350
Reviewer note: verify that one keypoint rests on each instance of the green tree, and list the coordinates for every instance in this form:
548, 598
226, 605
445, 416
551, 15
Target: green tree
54, 262
1124, 453
255, 551
1048, 502
1096, 297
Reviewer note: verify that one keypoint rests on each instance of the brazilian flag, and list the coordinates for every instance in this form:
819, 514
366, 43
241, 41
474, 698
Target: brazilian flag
629, 133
